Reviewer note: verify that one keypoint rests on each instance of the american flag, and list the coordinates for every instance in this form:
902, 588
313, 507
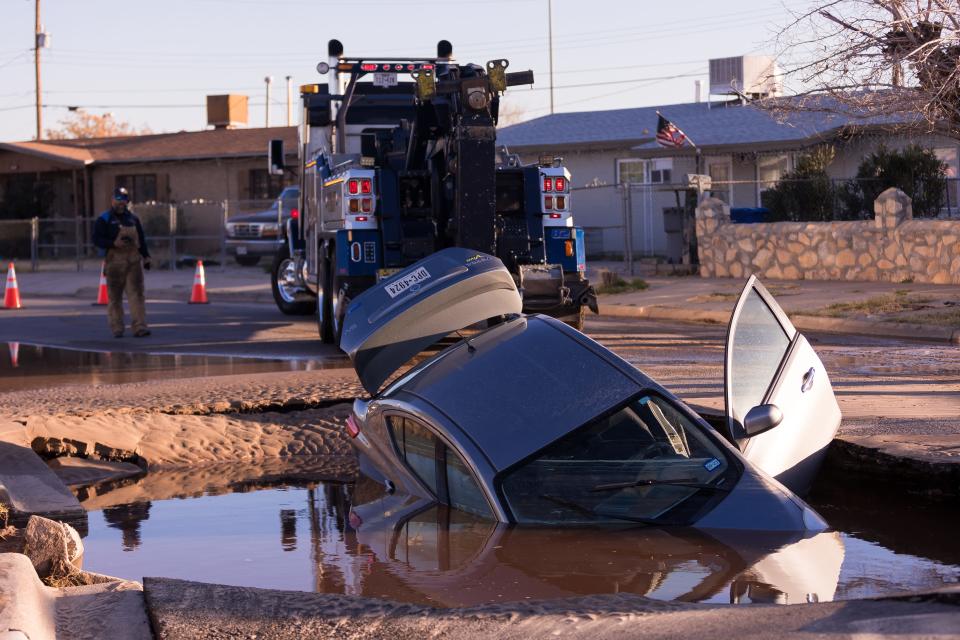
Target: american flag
668, 135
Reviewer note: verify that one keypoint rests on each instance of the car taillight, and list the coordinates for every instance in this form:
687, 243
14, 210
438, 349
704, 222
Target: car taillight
352, 427
365, 185
294, 213
353, 187
568, 248
560, 184
561, 201
548, 202
354, 205
366, 204
547, 184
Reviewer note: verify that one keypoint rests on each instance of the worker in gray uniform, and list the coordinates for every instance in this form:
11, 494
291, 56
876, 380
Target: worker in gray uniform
118, 233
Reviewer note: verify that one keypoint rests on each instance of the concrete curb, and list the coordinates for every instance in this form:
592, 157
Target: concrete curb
26, 605
802, 322
28, 486
932, 478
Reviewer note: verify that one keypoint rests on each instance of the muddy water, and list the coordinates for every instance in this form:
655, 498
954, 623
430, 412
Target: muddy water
28, 366
312, 539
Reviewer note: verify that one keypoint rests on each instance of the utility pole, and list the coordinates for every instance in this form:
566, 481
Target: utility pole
550, 44
289, 100
268, 80
37, 33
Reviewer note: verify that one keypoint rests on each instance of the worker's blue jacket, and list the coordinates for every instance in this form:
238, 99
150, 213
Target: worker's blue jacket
107, 228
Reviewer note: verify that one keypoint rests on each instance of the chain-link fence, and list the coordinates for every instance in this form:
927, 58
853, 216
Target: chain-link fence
828, 199
177, 235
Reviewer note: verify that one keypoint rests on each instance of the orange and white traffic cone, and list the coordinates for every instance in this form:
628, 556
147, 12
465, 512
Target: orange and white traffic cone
14, 354
102, 297
11, 295
199, 293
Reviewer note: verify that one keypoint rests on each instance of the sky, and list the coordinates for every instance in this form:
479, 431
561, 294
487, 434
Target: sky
152, 63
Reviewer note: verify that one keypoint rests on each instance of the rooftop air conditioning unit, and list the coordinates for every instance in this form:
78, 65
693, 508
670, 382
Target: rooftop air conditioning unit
754, 76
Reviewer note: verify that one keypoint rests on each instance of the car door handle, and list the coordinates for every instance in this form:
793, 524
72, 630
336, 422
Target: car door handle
808, 380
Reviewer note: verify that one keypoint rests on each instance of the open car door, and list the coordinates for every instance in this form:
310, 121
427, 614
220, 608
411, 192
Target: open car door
780, 407
391, 322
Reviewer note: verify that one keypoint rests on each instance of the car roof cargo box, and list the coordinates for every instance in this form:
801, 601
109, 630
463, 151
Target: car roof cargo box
391, 322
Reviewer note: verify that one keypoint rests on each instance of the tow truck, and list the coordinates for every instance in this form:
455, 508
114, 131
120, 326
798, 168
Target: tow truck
399, 160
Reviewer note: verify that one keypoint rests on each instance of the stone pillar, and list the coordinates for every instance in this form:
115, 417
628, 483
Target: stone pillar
712, 213
891, 208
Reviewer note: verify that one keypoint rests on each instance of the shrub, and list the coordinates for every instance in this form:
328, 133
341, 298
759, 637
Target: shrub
806, 192
914, 170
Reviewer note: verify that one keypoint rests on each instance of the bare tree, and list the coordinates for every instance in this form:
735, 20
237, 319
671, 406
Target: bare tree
876, 57
81, 124
510, 113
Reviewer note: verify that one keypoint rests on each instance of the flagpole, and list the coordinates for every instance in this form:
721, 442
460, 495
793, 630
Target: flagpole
687, 139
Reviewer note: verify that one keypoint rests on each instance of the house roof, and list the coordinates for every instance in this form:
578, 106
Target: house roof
184, 145
706, 124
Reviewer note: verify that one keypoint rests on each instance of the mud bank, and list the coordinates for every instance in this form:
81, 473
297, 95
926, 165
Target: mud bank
182, 609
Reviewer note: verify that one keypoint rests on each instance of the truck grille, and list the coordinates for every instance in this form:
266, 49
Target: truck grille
246, 230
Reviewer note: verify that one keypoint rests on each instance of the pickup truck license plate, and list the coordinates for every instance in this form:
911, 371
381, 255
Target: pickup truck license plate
384, 79
241, 251
407, 282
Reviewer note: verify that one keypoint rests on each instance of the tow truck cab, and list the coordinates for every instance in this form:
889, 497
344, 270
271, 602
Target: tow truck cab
394, 171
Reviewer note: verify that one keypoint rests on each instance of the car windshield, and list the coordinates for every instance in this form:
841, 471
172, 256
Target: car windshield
640, 463
289, 198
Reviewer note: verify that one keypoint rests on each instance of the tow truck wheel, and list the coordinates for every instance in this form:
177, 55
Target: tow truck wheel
324, 315
339, 312
283, 282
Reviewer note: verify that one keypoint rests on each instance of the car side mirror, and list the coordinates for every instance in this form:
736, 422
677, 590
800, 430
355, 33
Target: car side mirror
762, 418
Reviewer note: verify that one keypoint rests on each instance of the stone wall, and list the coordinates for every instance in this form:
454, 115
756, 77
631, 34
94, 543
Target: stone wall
892, 247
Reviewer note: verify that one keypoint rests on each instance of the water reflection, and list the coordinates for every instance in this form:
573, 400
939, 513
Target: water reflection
363, 541
127, 518
31, 366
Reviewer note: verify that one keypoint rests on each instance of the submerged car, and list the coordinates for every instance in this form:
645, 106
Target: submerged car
532, 422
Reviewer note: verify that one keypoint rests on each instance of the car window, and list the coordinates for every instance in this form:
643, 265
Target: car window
759, 344
427, 456
418, 446
462, 489
635, 464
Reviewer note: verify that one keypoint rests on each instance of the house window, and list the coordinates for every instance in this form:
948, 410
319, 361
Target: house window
636, 171
263, 185
720, 171
769, 171
631, 171
142, 188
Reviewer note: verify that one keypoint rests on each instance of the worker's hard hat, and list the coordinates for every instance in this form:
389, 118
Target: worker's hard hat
121, 194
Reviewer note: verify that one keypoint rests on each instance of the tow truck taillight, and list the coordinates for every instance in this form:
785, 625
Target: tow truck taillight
560, 184
548, 202
294, 213
555, 216
548, 184
368, 67
352, 429
561, 201
365, 185
353, 186
366, 203
354, 206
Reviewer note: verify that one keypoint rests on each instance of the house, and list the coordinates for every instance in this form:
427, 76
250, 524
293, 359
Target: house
67, 178
744, 148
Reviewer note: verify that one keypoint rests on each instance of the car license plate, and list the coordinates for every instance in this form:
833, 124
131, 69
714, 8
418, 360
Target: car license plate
408, 282
241, 251
384, 79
